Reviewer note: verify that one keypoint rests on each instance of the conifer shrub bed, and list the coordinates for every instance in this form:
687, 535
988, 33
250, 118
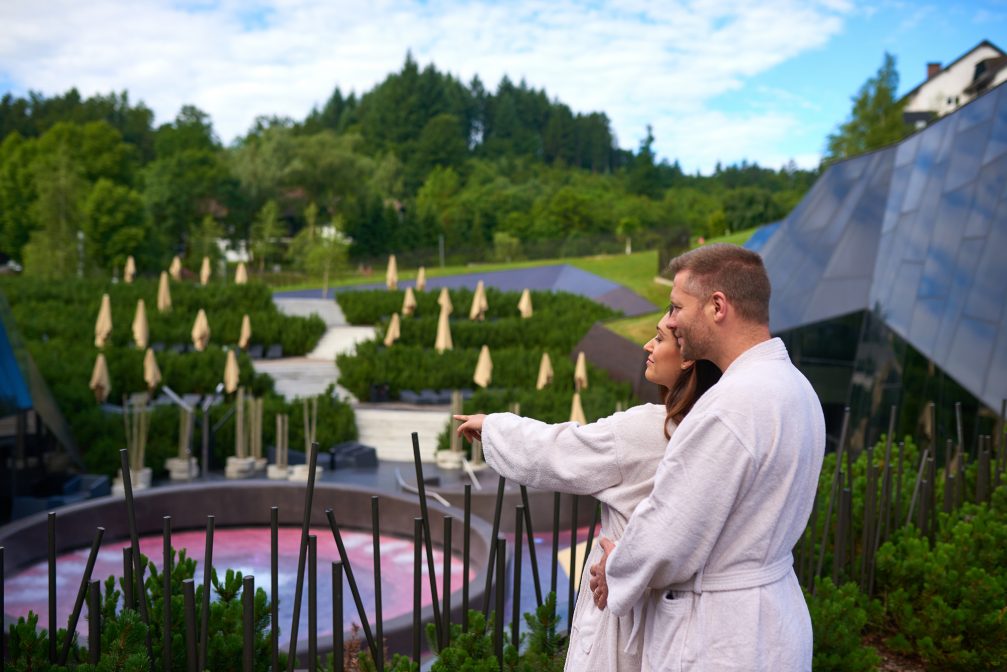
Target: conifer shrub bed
56, 321
369, 307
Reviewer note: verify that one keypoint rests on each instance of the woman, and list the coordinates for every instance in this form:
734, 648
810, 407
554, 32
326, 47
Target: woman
613, 460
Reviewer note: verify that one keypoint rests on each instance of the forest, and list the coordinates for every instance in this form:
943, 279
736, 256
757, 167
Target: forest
420, 164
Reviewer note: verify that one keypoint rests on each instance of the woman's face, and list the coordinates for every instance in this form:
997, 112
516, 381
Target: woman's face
664, 360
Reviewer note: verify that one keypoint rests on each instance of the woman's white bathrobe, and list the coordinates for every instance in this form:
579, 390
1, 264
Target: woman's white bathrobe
614, 460
709, 551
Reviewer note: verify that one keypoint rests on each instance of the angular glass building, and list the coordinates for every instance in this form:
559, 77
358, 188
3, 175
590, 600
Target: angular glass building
890, 280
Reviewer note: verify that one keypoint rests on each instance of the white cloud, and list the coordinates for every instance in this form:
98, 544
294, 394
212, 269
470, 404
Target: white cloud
640, 62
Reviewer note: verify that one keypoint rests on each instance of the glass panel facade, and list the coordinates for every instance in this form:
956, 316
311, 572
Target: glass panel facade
902, 255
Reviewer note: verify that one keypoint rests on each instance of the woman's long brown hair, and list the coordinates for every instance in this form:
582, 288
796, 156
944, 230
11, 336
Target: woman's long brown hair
690, 386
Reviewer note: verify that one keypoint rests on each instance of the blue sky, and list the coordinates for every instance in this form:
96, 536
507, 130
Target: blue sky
719, 80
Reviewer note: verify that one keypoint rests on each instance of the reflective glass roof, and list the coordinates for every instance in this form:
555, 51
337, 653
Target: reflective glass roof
917, 232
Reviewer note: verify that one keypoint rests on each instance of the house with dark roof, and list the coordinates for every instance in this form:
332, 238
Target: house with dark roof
947, 88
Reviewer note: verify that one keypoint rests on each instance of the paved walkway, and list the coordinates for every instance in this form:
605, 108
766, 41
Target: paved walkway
387, 428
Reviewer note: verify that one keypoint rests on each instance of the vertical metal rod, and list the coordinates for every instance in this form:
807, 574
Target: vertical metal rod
555, 543
248, 621
572, 594
487, 596
916, 487
1001, 449
312, 603
590, 538
52, 587
833, 495
958, 428
467, 532
501, 587
519, 512
897, 523
204, 617
378, 617
189, 606
867, 533
166, 595
274, 587
302, 556
839, 547
141, 591
85, 580
446, 591
427, 537
348, 569
127, 579
337, 617
3, 635
532, 553
417, 586
93, 622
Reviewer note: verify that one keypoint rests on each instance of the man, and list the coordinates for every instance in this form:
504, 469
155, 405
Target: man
705, 560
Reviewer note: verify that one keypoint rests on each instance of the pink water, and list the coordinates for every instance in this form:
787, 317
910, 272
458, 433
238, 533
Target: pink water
247, 550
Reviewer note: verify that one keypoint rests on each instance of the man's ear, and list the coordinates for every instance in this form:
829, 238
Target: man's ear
719, 302
688, 364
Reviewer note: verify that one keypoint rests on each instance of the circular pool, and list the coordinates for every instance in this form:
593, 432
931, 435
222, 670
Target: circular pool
241, 513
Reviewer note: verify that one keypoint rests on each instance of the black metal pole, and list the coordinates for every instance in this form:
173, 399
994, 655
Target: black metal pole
3, 635
573, 562
354, 591
501, 587
52, 587
417, 586
337, 617
141, 591
204, 617
189, 605
376, 538
519, 512
166, 594
556, 500
532, 552
467, 532
93, 622
427, 537
274, 586
85, 580
487, 595
590, 538
301, 557
446, 592
248, 621
312, 603
127, 579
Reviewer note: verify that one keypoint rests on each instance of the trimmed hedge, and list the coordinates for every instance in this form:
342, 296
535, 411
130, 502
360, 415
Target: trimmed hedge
367, 307
68, 310
56, 320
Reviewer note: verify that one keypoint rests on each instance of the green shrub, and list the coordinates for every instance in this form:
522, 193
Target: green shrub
124, 636
838, 618
946, 604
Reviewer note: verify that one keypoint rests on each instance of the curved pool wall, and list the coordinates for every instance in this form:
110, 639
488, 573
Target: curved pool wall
247, 504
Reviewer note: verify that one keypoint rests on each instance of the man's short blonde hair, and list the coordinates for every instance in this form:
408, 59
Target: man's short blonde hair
735, 271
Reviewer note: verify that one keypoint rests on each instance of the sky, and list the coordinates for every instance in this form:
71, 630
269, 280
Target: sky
717, 80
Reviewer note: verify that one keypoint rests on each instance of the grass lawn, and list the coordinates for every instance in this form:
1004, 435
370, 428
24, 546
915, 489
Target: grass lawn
635, 271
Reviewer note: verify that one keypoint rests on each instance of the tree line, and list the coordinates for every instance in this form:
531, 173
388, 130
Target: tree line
419, 160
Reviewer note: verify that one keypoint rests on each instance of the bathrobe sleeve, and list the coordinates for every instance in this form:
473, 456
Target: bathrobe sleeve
566, 457
670, 536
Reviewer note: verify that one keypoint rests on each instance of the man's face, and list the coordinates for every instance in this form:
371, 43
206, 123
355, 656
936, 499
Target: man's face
689, 321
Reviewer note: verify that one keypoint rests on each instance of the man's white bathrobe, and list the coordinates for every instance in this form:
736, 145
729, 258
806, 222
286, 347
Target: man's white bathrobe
613, 459
709, 551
